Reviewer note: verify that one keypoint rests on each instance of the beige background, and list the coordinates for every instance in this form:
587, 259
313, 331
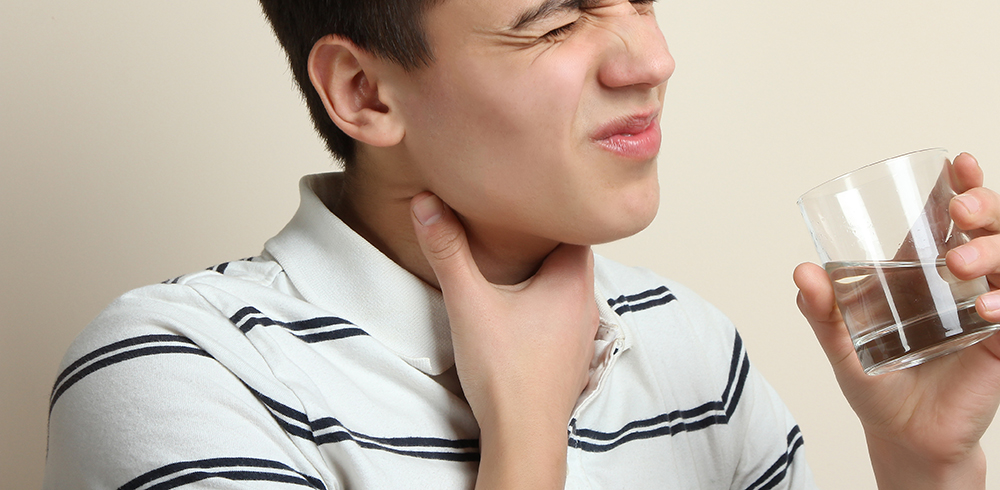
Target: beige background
141, 140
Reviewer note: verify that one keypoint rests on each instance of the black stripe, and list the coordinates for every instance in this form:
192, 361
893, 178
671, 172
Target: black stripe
627, 303
260, 319
733, 364
792, 434
327, 422
257, 321
342, 333
679, 420
636, 297
740, 382
658, 420
645, 306
772, 476
121, 357
144, 339
246, 310
323, 321
244, 475
206, 464
670, 430
346, 436
364, 440
298, 325
279, 407
439, 456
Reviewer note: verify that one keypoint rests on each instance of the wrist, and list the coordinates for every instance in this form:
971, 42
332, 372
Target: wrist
521, 457
898, 466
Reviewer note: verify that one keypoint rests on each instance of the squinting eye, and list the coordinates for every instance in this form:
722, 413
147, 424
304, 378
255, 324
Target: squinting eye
648, 4
558, 31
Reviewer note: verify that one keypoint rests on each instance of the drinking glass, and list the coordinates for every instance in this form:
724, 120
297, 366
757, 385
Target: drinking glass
882, 232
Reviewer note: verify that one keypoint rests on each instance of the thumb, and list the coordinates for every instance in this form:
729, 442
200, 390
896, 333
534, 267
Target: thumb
818, 305
443, 242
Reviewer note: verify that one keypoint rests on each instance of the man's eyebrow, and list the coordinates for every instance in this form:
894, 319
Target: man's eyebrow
548, 7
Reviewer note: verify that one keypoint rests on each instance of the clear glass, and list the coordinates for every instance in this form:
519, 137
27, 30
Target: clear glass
882, 232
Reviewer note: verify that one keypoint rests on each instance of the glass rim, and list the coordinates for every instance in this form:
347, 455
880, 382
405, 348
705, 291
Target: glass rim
845, 175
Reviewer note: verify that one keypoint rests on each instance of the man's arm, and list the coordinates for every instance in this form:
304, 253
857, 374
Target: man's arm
923, 424
522, 352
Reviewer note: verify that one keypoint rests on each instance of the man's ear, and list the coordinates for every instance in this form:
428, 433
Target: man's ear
346, 78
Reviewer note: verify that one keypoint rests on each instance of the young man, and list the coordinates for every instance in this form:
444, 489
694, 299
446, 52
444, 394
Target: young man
433, 317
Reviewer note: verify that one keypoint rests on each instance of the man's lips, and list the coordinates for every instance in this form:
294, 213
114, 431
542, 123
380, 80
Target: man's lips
633, 137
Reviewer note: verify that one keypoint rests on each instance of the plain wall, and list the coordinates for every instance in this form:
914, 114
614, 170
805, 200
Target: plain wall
143, 140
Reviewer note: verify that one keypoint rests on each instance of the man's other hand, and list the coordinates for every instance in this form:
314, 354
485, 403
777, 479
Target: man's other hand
923, 424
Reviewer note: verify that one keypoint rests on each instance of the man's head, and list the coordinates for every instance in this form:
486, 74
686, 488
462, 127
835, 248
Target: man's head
532, 119
391, 29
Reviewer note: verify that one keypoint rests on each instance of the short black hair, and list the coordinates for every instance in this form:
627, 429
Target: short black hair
390, 29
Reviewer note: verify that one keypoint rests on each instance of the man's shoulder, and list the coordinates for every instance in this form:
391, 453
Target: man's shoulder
183, 309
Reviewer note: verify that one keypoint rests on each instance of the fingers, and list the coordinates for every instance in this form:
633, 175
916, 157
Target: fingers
817, 304
966, 173
979, 257
443, 242
978, 212
815, 293
976, 209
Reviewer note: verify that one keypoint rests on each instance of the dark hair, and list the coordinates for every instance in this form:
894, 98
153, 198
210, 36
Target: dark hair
390, 29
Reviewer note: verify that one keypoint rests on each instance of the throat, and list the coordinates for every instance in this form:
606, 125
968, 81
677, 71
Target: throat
505, 257
382, 218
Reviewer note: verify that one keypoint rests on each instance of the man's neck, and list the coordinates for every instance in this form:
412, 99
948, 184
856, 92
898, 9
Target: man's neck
379, 211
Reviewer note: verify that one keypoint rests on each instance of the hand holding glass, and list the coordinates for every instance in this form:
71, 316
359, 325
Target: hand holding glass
882, 233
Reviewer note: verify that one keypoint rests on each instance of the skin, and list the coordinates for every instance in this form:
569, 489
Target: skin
484, 175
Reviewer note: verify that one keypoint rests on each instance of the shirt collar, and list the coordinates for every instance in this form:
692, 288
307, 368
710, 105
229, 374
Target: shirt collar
336, 269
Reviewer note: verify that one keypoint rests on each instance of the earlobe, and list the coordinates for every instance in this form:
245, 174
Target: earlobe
346, 78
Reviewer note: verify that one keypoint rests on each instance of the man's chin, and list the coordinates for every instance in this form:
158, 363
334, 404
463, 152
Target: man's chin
620, 229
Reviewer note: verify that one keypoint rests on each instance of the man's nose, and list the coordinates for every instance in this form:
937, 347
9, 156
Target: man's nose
638, 56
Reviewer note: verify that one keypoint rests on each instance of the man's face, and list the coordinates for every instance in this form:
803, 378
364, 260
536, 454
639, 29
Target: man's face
540, 118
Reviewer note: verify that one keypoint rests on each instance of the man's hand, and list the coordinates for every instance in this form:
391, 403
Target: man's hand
522, 352
923, 424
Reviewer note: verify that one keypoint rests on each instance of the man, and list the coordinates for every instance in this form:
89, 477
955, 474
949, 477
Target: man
486, 146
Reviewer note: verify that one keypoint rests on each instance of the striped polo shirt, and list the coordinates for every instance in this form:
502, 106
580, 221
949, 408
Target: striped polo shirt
323, 364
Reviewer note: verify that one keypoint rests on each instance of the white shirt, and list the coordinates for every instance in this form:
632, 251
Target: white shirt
323, 364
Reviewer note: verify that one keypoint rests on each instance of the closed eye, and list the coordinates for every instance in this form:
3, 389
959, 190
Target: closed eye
559, 31
647, 4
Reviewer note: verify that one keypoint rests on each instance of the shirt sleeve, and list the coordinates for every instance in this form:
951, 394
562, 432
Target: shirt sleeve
772, 455
138, 404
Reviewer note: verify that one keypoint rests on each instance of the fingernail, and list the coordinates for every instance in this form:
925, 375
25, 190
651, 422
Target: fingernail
967, 253
990, 301
428, 210
971, 204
